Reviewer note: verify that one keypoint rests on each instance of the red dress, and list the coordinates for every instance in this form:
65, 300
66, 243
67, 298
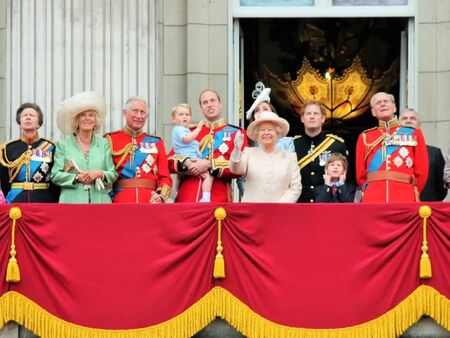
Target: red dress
141, 161
391, 163
216, 142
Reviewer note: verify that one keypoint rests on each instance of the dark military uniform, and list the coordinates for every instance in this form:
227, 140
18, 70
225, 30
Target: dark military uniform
312, 153
434, 189
25, 171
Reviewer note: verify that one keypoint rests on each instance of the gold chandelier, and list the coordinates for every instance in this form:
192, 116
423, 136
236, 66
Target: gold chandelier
344, 97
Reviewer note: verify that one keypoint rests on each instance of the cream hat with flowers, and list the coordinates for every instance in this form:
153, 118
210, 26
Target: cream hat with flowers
81, 102
267, 116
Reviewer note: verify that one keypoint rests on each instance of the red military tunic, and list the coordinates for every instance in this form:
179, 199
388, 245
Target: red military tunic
391, 163
141, 161
216, 142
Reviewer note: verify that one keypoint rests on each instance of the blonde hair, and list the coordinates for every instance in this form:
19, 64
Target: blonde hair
76, 119
181, 105
334, 157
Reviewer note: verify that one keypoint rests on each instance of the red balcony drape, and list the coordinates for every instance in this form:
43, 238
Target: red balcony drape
291, 270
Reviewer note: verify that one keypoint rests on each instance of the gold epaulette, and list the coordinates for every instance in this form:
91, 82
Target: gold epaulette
3, 146
152, 135
48, 140
232, 125
111, 132
340, 139
370, 129
296, 137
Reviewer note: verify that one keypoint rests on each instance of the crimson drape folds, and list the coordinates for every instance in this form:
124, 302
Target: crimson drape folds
124, 267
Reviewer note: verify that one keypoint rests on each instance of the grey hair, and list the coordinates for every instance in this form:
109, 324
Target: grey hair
132, 99
412, 110
390, 96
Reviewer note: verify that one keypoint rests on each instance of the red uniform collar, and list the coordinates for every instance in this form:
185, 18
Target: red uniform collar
389, 124
216, 124
130, 132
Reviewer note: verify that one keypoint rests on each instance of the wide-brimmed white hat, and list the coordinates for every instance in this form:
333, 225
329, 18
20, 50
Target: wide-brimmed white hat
70, 108
267, 116
262, 97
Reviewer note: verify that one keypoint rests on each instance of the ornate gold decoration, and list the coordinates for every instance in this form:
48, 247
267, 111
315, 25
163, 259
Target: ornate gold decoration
344, 97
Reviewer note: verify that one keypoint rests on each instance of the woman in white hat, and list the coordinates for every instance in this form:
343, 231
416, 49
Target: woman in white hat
272, 174
83, 163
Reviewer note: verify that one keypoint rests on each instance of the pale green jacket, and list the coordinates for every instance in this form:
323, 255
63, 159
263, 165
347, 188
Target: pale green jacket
99, 157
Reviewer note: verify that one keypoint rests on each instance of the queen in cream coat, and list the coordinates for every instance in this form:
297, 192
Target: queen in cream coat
272, 175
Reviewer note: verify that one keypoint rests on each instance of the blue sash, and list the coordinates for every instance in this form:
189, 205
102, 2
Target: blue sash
218, 140
21, 176
129, 169
377, 160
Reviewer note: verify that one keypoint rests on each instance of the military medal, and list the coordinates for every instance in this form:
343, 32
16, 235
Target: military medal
398, 161
149, 159
153, 149
409, 162
323, 157
403, 152
226, 136
311, 150
145, 147
223, 148
146, 168
44, 167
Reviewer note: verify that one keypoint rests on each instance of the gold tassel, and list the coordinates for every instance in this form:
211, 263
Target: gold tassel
13, 271
425, 262
219, 262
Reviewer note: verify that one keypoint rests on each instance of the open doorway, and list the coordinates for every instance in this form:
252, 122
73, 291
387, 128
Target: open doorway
361, 55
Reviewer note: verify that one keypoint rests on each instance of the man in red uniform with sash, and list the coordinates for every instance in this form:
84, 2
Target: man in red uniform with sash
140, 159
391, 159
216, 141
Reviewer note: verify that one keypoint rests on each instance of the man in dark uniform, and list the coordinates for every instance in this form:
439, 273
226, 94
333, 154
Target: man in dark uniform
434, 189
314, 148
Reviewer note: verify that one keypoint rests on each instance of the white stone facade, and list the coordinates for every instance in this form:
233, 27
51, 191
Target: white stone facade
166, 51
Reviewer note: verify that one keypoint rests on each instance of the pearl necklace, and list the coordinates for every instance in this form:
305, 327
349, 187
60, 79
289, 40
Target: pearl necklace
84, 146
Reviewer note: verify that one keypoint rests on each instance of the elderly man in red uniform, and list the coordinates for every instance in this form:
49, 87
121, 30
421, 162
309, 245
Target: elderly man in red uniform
216, 142
391, 159
140, 159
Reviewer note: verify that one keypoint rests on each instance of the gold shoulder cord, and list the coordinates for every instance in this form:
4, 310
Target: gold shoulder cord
124, 152
371, 146
14, 166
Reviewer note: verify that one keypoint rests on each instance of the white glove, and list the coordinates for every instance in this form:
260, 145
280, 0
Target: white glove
99, 184
238, 142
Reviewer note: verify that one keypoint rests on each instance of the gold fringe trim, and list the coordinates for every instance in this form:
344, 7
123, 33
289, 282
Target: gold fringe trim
220, 302
423, 301
18, 308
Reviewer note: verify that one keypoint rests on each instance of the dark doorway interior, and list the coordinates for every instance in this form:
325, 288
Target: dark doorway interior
280, 45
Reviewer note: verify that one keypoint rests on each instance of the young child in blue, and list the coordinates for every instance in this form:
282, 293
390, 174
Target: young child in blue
184, 143
335, 190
